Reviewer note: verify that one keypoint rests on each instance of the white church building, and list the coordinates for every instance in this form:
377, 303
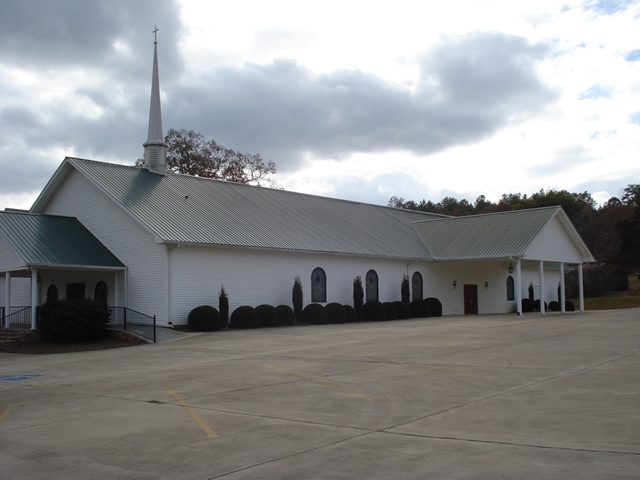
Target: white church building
162, 243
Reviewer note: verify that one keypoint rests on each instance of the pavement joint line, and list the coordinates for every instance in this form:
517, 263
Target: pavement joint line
273, 460
201, 423
514, 444
520, 387
323, 384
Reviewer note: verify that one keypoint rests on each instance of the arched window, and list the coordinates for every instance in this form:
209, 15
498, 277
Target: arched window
511, 290
318, 285
372, 286
52, 294
101, 294
416, 286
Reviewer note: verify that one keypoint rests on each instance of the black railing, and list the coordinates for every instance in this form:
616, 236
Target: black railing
18, 318
129, 320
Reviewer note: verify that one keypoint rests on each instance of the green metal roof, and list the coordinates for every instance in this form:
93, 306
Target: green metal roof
47, 240
495, 235
186, 209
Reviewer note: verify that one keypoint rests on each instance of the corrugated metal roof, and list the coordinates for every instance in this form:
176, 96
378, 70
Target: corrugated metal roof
185, 209
492, 235
47, 240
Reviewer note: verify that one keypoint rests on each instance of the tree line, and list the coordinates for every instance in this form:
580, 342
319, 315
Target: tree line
611, 231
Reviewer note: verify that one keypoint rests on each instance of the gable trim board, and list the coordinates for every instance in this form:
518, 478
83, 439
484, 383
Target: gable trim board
178, 239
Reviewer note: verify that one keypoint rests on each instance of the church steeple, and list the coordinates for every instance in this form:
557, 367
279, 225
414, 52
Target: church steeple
155, 148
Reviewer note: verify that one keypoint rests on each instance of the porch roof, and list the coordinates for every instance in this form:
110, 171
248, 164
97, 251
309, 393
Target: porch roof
54, 241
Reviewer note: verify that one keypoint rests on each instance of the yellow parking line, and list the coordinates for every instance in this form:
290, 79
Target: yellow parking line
210, 433
4, 413
333, 387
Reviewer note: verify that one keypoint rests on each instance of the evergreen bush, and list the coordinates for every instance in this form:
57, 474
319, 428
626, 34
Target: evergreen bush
390, 311
420, 309
223, 306
536, 306
435, 307
336, 313
244, 317
351, 313
554, 306
358, 297
530, 291
285, 315
315, 314
297, 299
403, 310
268, 316
373, 312
568, 306
527, 305
204, 318
404, 289
73, 321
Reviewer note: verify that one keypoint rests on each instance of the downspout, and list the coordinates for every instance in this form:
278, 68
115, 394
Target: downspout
7, 298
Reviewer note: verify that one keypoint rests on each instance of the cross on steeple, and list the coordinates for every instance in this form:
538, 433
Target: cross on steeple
155, 35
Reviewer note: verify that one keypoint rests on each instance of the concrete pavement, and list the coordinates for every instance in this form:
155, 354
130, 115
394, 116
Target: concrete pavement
475, 397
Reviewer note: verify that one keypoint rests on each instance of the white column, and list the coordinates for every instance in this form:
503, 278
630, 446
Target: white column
116, 297
581, 287
541, 272
518, 288
7, 298
34, 298
562, 287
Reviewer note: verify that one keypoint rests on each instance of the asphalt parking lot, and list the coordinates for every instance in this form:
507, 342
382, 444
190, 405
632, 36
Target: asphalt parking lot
475, 397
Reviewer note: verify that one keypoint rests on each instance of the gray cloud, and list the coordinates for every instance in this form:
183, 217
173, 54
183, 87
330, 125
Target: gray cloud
468, 89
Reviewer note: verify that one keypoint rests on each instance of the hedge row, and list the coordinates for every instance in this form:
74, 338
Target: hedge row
206, 318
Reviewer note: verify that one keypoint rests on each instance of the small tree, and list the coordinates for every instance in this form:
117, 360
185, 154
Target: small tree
404, 289
531, 297
358, 297
223, 306
297, 298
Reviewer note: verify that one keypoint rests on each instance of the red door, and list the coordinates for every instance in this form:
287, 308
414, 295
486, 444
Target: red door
470, 299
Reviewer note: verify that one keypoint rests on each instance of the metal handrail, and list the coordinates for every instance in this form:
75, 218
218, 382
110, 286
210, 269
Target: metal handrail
19, 318
135, 322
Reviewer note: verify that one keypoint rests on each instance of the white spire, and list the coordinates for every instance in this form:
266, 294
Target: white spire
155, 148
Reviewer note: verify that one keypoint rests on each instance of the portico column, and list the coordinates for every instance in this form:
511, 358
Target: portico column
581, 287
34, 298
518, 288
562, 292
7, 299
541, 272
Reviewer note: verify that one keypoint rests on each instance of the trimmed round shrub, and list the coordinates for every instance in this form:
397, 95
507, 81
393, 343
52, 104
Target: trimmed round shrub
527, 305
402, 309
315, 314
554, 306
420, 309
268, 316
536, 305
285, 315
390, 311
373, 312
204, 318
350, 312
244, 317
435, 307
568, 306
336, 313
73, 321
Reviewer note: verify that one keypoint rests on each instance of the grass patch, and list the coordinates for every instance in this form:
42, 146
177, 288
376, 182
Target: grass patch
614, 300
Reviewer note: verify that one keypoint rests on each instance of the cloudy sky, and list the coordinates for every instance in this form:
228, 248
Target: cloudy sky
353, 99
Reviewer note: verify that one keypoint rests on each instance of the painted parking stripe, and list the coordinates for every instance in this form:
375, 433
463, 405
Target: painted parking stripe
4, 413
205, 428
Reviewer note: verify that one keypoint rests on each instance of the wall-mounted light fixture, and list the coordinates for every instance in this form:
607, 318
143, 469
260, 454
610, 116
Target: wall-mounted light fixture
455, 284
486, 284
510, 269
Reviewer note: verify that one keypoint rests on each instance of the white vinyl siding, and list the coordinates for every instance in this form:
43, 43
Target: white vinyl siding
253, 277
124, 236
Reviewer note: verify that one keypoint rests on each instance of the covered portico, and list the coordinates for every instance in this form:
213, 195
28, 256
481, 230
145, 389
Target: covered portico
53, 252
